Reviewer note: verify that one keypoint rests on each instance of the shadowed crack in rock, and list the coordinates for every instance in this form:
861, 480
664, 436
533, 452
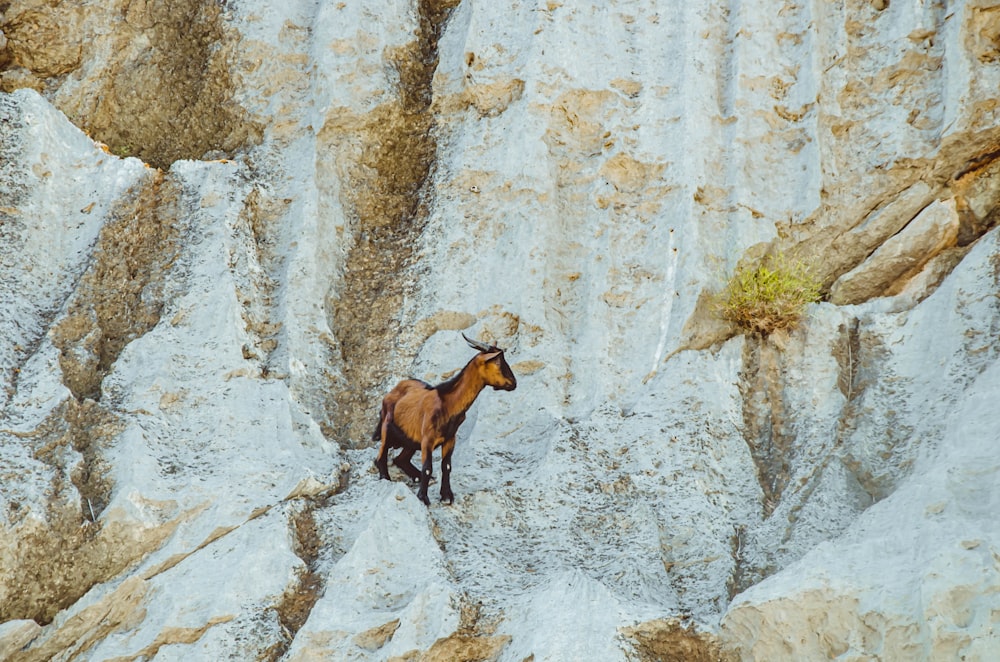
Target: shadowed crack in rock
765, 419
299, 599
259, 220
120, 297
69, 548
385, 159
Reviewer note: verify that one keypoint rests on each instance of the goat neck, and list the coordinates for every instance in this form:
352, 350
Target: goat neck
463, 390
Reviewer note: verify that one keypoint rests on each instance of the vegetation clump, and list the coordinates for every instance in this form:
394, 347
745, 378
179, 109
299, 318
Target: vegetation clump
769, 296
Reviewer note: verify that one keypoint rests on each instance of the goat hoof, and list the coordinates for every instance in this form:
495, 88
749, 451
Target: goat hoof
423, 497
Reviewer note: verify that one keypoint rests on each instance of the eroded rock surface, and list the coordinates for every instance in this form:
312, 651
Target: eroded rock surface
195, 341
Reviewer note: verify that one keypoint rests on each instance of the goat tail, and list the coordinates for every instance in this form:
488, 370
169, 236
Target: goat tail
384, 413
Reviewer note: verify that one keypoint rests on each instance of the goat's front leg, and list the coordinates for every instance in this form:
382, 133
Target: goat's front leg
427, 469
446, 450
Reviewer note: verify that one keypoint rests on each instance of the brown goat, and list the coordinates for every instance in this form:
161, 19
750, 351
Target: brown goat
418, 416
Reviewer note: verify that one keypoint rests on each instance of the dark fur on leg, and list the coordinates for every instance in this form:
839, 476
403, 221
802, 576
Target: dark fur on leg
403, 462
425, 480
446, 493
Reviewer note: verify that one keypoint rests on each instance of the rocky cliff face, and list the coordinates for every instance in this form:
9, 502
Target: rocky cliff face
229, 227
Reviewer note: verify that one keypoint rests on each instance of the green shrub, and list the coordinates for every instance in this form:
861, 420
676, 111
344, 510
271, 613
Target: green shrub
769, 296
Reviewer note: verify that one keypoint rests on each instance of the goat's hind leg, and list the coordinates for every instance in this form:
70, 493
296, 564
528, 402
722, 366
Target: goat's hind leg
382, 459
403, 462
427, 469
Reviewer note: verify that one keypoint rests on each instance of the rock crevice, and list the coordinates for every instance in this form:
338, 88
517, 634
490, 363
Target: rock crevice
385, 159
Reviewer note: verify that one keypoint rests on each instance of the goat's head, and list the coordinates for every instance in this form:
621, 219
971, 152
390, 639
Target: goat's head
493, 366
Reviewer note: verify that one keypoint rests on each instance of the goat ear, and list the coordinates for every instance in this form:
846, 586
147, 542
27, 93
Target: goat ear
492, 355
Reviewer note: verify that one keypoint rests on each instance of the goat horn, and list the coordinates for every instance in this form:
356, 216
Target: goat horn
475, 344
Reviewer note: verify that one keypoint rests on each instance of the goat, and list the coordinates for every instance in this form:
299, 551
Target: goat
418, 416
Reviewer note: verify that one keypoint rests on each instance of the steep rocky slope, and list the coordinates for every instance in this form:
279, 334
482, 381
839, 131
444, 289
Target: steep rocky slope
229, 228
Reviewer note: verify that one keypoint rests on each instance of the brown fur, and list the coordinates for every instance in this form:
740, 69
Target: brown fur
417, 415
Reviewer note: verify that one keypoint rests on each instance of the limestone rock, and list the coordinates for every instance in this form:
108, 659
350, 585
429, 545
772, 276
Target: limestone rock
335, 190
900, 257
375, 638
880, 588
15, 635
466, 648
661, 639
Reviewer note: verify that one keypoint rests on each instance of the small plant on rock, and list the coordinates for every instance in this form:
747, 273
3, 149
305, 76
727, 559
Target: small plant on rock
769, 296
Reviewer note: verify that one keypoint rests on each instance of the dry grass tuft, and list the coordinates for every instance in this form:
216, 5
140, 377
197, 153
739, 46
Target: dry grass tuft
769, 296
